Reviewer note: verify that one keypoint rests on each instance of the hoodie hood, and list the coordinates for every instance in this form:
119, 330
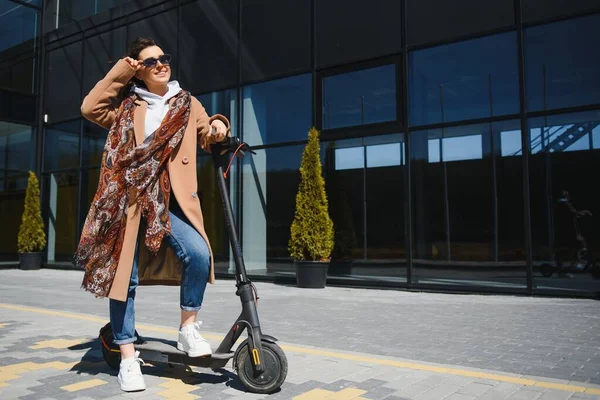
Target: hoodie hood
158, 106
154, 99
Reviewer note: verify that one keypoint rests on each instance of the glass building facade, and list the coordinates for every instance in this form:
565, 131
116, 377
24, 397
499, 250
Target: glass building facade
458, 142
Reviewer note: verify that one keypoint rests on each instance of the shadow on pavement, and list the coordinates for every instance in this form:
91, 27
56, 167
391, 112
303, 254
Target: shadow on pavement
92, 363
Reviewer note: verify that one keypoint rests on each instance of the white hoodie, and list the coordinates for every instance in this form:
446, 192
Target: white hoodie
158, 106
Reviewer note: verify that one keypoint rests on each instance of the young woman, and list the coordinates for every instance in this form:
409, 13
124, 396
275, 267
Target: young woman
145, 224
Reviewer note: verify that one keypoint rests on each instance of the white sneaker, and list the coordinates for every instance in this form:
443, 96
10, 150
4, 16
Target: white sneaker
130, 374
191, 341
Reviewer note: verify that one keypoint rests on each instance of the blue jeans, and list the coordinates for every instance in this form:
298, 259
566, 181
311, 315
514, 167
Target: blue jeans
192, 251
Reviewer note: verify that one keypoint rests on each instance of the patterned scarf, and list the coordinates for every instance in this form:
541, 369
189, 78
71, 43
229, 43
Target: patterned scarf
129, 175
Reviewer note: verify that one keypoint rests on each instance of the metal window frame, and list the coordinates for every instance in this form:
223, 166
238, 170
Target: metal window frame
396, 125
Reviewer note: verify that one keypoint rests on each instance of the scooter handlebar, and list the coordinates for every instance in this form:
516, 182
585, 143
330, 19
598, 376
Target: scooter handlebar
231, 144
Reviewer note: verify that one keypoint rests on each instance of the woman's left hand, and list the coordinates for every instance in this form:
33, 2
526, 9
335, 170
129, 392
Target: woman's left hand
218, 129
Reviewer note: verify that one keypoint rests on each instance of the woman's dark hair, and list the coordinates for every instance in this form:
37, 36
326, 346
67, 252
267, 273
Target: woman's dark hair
135, 48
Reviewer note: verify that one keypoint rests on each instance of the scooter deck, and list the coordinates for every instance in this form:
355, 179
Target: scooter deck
165, 351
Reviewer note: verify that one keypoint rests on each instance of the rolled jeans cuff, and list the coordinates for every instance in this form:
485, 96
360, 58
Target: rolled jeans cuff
125, 341
185, 308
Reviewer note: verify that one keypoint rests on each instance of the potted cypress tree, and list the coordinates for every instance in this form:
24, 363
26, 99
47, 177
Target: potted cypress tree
311, 238
32, 239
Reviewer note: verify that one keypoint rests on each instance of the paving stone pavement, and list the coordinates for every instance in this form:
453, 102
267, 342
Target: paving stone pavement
340, 343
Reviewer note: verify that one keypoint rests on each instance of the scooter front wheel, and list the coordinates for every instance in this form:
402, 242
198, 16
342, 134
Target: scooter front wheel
275, 368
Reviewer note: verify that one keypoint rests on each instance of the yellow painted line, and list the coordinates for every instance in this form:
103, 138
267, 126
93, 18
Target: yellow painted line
177, 395
93, 319
56, 344
338, 355
8, 376
2, 325
83, 385
346, 394
315, 394
60, 364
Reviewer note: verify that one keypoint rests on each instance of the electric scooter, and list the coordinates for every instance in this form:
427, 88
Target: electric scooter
259, 362
584, 261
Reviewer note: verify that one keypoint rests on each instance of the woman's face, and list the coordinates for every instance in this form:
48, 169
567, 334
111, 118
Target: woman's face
160, 74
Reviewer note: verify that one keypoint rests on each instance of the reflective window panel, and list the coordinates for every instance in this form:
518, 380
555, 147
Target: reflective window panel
468, 206
564, 158
61, 146
270, 181
561, 64
60, 208
93, 141
465, 80
63, 99
224, 103
277, 111
366, 191
359, 97
17, 149
13, 186
18, 28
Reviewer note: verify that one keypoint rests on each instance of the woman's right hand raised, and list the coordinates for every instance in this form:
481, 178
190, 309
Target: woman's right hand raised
135, 64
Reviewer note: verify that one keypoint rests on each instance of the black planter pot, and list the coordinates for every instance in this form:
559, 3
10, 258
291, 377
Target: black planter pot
311, 274
30, 261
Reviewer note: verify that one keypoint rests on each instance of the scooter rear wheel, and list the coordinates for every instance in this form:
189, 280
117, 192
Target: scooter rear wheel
110, 351
276, 367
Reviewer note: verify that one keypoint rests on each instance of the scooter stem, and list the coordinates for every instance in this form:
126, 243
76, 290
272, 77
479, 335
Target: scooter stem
219, 160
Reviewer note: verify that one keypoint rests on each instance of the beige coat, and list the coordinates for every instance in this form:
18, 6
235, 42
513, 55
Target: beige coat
163, 268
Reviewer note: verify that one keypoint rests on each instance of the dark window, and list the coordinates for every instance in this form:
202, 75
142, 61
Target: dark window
16, 146
539, 10
561, 64
12, 199
60, 205
360, 97
19, 75
366, 207
78, 9
220, 103
468, 205
92, 145
17, 107
224, 103
61, 146
70, 11
430, 21
63, 99
473, 79
270, 183
212, 208
275, 38
209, 45
18, 29
76, 15
277, 111
101, 53
563, 159
338, 40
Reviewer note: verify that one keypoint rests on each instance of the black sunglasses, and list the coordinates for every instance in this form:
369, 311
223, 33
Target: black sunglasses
151, 62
